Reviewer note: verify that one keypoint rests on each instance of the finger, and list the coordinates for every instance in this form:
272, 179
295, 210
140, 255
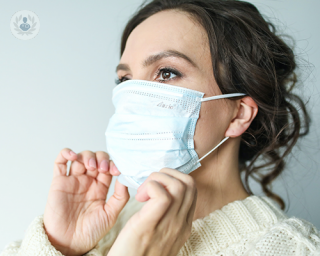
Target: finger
102, 161
162, 178
77, 168
88, 159
175, 187
177, 174
104, 178
60, 164
113, 169
191, 189
192, 209
157, 206
117, 201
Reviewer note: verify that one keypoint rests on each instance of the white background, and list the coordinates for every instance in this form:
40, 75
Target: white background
55, 92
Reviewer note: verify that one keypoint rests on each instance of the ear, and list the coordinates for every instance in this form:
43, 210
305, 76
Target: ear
247, 111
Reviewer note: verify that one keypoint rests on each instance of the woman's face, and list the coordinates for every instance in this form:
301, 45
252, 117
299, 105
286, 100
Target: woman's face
172, 48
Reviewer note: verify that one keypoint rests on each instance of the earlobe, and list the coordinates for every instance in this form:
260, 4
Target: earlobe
247, 111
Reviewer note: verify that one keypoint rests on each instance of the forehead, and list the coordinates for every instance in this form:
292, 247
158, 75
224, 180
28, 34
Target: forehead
170, 29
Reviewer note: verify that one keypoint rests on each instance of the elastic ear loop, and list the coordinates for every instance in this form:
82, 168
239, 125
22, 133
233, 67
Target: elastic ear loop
213, 149
222, 96
215, 98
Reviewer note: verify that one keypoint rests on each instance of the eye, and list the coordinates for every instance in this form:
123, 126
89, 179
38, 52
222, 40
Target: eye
121, 79
162, 75
166, 74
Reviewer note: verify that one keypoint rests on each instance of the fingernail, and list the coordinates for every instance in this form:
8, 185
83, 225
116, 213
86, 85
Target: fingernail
72, 153
104, 165
92, 163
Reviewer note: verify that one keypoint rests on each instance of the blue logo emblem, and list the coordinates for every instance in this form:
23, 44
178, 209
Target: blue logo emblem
25, 26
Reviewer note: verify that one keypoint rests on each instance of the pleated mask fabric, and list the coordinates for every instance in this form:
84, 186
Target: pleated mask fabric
152, 128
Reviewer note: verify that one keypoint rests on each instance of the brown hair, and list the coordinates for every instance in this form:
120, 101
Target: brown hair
248, 57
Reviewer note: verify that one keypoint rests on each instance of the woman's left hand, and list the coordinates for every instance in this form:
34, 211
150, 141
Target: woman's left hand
164, 223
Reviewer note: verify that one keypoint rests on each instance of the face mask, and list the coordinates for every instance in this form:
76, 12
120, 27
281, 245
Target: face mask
153, 127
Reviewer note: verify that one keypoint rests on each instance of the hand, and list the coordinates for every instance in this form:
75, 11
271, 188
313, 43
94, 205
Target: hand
164, 223
77, 216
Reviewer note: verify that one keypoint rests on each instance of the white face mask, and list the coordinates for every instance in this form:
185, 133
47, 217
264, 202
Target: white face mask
153, 127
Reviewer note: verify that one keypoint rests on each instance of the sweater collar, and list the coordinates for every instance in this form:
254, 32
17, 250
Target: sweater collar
232, 223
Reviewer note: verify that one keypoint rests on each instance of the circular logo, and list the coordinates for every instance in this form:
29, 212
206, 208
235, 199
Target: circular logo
25, 25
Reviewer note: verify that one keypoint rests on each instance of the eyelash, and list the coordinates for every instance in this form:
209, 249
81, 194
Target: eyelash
159, 71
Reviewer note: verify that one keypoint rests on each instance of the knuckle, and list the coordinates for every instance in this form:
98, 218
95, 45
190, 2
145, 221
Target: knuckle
102, 154
65, 150
153, 175
149, 184
149, 179
166, 170
87, 152
166, 199
190, 181
179, 187
87, 155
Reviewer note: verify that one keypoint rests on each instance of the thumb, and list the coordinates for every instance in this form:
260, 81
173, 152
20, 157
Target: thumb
117, 201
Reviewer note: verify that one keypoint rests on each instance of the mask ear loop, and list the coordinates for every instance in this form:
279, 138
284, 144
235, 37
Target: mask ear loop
213, 149
222, 96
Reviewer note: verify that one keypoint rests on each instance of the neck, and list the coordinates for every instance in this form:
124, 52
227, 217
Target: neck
218, 179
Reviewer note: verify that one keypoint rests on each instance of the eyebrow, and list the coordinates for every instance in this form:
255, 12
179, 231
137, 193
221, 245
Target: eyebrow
153, 58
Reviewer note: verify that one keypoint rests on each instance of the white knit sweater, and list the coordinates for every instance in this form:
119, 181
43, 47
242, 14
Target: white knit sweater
253, 226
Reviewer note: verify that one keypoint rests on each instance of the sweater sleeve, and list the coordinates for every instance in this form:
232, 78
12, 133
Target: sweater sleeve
292, 236
36, 242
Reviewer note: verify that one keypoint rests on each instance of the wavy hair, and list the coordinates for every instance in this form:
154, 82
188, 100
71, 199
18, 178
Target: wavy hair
248, 57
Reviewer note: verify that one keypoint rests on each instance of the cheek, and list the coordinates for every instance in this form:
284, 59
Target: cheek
211, 126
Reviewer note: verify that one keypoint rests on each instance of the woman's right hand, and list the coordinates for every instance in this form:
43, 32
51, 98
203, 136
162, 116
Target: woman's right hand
77, 215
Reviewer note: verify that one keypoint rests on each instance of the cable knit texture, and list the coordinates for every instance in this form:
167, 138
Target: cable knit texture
253, 226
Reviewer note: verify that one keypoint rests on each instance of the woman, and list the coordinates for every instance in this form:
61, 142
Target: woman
216, 47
